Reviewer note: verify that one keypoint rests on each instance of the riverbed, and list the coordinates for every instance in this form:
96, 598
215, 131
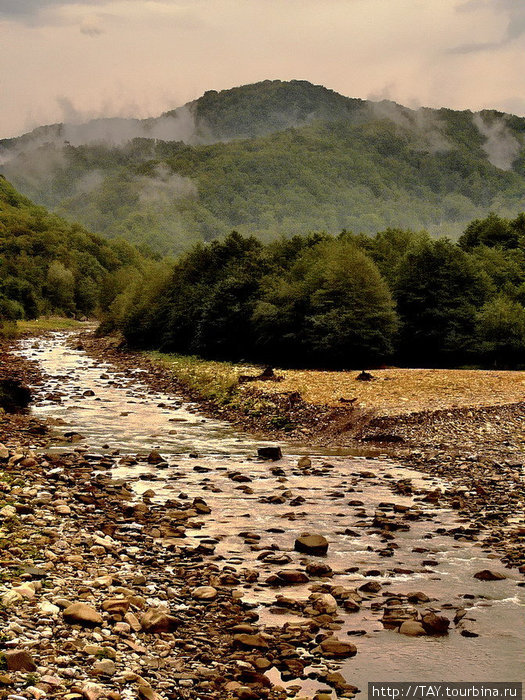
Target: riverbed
107, 412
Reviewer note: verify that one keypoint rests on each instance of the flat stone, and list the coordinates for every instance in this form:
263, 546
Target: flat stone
333, 648
204, 593
82, 614
19, 660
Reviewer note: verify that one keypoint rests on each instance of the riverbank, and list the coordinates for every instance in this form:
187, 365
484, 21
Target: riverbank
479, 449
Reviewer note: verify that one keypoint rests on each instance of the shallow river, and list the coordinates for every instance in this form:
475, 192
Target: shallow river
124, 415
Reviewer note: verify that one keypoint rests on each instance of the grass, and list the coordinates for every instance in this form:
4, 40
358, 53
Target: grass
49, 323
214, 381
218, 382
392, 392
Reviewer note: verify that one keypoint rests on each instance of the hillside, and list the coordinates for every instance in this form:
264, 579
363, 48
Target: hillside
274, 158
48, 265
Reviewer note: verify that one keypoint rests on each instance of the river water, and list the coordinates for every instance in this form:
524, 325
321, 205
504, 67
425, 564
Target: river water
339, 496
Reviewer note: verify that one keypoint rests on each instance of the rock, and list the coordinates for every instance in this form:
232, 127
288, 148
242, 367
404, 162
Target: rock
250, 641
104, 667
270, 453
314, 569
304, 462
155, 457
204, 593
370, 587
488, 575
146, 692
8, 512
92, 691
412, 628
311, 544
116, 606
333, 648
155, 621
82, 614
19, 660
435, 624
324, 603
292, 576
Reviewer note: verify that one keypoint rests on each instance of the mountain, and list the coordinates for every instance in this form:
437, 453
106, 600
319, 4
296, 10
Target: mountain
274, 158
48, 265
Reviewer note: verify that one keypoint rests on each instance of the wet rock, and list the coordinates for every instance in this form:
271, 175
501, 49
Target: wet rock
488, 575
318, 569
311, 544
435, 624
272, 454
204, 593
82, 614
250, 641
412, 628
304, 462
292, 576
370, 587
155, 457
333, 648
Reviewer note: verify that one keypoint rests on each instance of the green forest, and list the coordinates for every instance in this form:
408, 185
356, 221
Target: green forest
48, 265
348, 301
276, 159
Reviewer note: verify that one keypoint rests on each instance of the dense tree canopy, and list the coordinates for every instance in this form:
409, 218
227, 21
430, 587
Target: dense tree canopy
345, 301
49, 265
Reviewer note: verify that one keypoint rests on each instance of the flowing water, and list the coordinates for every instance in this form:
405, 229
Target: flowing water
123, 415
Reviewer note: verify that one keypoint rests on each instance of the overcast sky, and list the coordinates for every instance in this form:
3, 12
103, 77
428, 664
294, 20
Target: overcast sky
63, 60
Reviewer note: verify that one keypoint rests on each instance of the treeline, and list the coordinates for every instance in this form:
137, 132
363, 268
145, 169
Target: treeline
48, 265
347, 302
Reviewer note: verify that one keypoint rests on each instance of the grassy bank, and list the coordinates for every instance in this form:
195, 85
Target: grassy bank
218, 383
13, 329
391, 392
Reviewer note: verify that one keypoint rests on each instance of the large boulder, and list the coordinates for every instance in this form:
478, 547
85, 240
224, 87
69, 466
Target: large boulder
435, 624
311, 544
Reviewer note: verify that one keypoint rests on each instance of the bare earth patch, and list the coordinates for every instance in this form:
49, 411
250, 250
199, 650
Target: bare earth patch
402, 391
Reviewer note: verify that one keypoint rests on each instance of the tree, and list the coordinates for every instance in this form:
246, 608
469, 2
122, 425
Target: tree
331, 307
439, 291
500, 331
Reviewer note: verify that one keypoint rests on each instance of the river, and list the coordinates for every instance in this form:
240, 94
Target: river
118, 415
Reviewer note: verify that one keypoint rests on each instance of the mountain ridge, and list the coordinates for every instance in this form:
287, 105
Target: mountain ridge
274, 158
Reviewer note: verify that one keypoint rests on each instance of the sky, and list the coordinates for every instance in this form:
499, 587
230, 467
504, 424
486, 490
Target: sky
70, 60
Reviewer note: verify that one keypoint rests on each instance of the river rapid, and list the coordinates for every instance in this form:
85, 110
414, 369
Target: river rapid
117, 415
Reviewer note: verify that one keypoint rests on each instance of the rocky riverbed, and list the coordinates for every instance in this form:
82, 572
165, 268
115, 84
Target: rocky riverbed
135, 564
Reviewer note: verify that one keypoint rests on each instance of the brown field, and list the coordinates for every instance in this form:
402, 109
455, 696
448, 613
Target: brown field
402, 391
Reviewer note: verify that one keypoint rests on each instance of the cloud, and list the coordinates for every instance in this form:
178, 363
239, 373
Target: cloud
513, 13
501, 147
91, 27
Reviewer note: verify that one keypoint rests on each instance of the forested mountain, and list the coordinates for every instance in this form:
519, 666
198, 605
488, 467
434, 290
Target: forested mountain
274, 158
48, 265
